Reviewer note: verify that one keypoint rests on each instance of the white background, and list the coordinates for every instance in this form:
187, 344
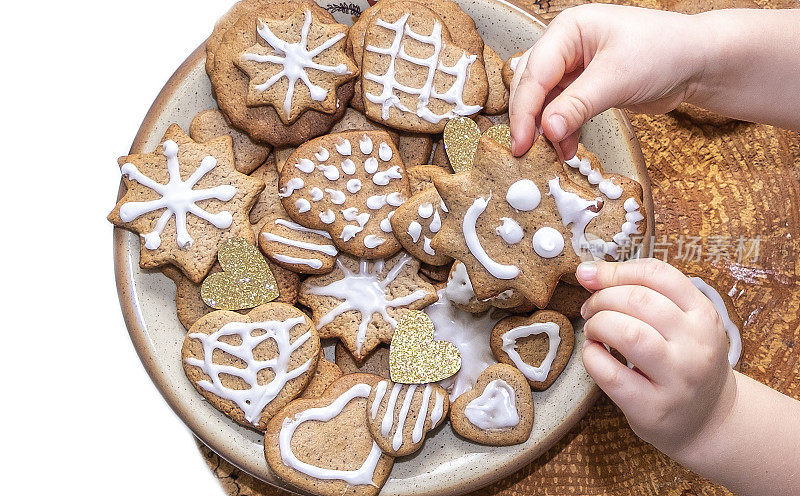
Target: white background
80, 414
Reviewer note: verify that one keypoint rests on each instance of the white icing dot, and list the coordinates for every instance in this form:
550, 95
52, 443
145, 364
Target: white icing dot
386, 226
327, 217
414, 230
395, 199
444, 207
436, 223
305, 165
302, 205
510, 231
292, 185
348, 166
376, 202
316, 194
524, 195
382, 178
426, 247
365, 144
337, 197
330, 172
425, 210
354, 185
548, 242
372, 241
385, 152
322, 155
371, 165
344, 148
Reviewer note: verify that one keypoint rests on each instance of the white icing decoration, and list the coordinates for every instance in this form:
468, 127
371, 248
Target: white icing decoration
514, 63
311, 262
298, 227
397, 439
302, 205
348, 166
497, 270
327, 217
386, 226
322, 155
414, 230
436, 223
396, 50
305, 165
443, 206
373, 241
573, 210
548, 242
365, 145
295, 59
459, 286
395, 199
376, 202
330, 172
255, 398
388, 416
495, 408
426, 247
510, 231
337, 197
361, 476
524, 195
419, 425
177, 198
630, 226
735, 338
606, 186
354, 185
425, 210
438, 409
316, 194
371, 165
292, 185
380, 391
385, 152
365, 293
530, 372
326, 249
470, 334
382, 178
344, 149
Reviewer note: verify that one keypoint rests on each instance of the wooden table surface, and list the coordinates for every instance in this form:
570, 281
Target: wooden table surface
731, 188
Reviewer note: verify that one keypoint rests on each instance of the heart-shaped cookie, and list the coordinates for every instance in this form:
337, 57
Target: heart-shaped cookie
245, 281
461, 137
415, 358
323, 446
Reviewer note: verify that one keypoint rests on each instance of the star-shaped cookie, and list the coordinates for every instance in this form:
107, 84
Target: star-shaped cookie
185, 199
297, 64
512, 221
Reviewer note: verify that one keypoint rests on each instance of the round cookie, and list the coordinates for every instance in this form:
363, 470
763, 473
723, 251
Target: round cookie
539, 346
498, 411
400, 415
224, 357
325, 375
297, 248
497, 99
417, 221
377, 362
347, 184
247, 154
323, 446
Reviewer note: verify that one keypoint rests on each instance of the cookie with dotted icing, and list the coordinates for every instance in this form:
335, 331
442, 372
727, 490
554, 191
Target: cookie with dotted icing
247, 154
184, 199
518, 222
498, 411
510, 66
295, 247
323, 445
539, 346
417, 221
326, 374
231, 85
377, 362
349, 185
360, 301
497, 100
414, 78
399, 416
250, 366
461, 294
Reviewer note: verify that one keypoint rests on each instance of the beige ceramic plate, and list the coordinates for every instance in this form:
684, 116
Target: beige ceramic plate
447, 465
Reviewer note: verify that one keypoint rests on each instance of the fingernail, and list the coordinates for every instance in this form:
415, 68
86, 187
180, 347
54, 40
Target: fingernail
558, 126
586, 270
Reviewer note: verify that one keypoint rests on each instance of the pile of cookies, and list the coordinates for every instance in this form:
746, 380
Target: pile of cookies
356, 185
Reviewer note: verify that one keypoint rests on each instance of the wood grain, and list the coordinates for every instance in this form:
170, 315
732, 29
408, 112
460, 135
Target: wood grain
713, 183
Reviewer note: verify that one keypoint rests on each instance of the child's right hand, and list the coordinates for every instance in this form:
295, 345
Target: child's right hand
595, 57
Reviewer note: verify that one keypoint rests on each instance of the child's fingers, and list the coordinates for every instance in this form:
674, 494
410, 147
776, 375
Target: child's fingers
649, 272
624, 386
639, 302
636, 340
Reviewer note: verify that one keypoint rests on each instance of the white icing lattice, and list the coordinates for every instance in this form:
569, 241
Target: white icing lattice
454, 95
295, 58
254, 399
177, 197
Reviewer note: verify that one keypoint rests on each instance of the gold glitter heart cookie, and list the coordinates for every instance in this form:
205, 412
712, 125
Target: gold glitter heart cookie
245, 281
415, 358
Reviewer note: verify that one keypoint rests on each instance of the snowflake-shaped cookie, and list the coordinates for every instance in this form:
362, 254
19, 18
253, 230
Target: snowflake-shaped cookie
297, 64
185, 199
361, 301
517, 223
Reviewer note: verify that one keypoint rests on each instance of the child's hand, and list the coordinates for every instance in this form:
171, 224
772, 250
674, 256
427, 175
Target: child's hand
683, 388
595, 57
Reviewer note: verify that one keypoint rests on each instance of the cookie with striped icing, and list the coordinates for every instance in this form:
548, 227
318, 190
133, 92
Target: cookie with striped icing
295, 247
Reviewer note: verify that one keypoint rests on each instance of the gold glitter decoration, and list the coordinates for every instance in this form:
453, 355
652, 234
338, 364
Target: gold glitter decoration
461, 137
246, 280
414, 357
500, 133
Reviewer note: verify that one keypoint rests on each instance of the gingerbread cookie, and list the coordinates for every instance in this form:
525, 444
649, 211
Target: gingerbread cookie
436, 273
415, 222
399, 416
461, 294
415, 148
539, 346
184, 200
297, 248
347, 184
250, 366
323, 446
360, 301
377, 362
498, 411
247, 154
249, 40
268, 202
568, 299
731, 321
281, 156
420, 177
510, 67
354, 120
497, 100
325, 375
407, 88
517, 222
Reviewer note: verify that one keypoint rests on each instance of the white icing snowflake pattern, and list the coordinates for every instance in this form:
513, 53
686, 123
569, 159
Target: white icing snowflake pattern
177, 197
295, 58
254, 399
454, 95
365, 293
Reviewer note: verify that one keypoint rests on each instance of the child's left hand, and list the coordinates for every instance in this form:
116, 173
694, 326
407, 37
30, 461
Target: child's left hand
683, 387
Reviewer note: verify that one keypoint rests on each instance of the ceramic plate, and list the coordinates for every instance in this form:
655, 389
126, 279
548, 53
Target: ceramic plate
447, 464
